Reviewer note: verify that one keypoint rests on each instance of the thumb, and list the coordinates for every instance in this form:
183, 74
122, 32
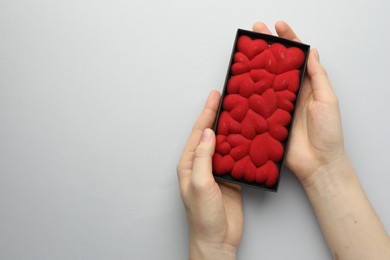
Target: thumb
320, 84
202, 167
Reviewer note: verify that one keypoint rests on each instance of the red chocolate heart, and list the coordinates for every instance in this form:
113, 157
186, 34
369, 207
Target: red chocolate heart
237, 106
287, 94
267, 173
275, 149
237, 139
253, 124
279, 117
287, 58
239, 152
288, 80
251, 47
244, 168
242, 64
278, 132
266, 60
222, 146
247, 88
264, 104
258, 151
227, 125
222, 164
284, 103
234, 83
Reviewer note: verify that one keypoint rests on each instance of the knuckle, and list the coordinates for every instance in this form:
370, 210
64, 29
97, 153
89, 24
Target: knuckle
323, 71
201, 151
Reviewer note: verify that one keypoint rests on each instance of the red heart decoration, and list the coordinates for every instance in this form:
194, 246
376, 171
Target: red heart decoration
237, 106
251, 47
284, 103
287, 80
275, 149
280, 117
278, 132
222, 146
253, 124
222, 164
258, 151
264, 104
227, 125
239, 152
272, 175
237, 139
287, 58
244, 168
247, 88
234, 83
265, 60
288, 95
242, 64
240, 146
267, 173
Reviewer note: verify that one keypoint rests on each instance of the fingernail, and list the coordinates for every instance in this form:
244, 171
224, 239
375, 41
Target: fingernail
316, 55
206, 136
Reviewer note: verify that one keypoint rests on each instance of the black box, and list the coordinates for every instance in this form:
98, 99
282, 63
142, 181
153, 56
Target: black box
275, 71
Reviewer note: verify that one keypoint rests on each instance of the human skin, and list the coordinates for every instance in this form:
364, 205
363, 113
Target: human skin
315, 155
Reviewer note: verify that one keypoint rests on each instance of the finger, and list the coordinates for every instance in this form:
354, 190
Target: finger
205, 120
202, 168
305, 92
284, 31
260, 27
320, 84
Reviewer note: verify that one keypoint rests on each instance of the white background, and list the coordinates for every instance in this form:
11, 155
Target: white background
97, 99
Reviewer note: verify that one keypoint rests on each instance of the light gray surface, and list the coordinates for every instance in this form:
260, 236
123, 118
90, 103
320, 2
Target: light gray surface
97, 99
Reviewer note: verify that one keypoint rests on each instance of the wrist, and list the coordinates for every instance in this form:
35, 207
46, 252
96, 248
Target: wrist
330, 178
207, 250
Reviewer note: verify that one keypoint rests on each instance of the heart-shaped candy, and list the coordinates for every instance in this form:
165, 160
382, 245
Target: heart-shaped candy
241, 64
251, 47
222, 164
284, 102
227, 125
244, 169
258, 150
273, 175
222, 146
287, 58
267, 173
252, 125
264, 104
287, 80
237, 106
279, 117
234, 83
266, 60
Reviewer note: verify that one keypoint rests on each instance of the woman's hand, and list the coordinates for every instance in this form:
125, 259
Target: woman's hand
214, 209
316, 155
316, 145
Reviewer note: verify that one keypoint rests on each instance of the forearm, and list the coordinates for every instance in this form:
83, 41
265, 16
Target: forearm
350, 225
199, 250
